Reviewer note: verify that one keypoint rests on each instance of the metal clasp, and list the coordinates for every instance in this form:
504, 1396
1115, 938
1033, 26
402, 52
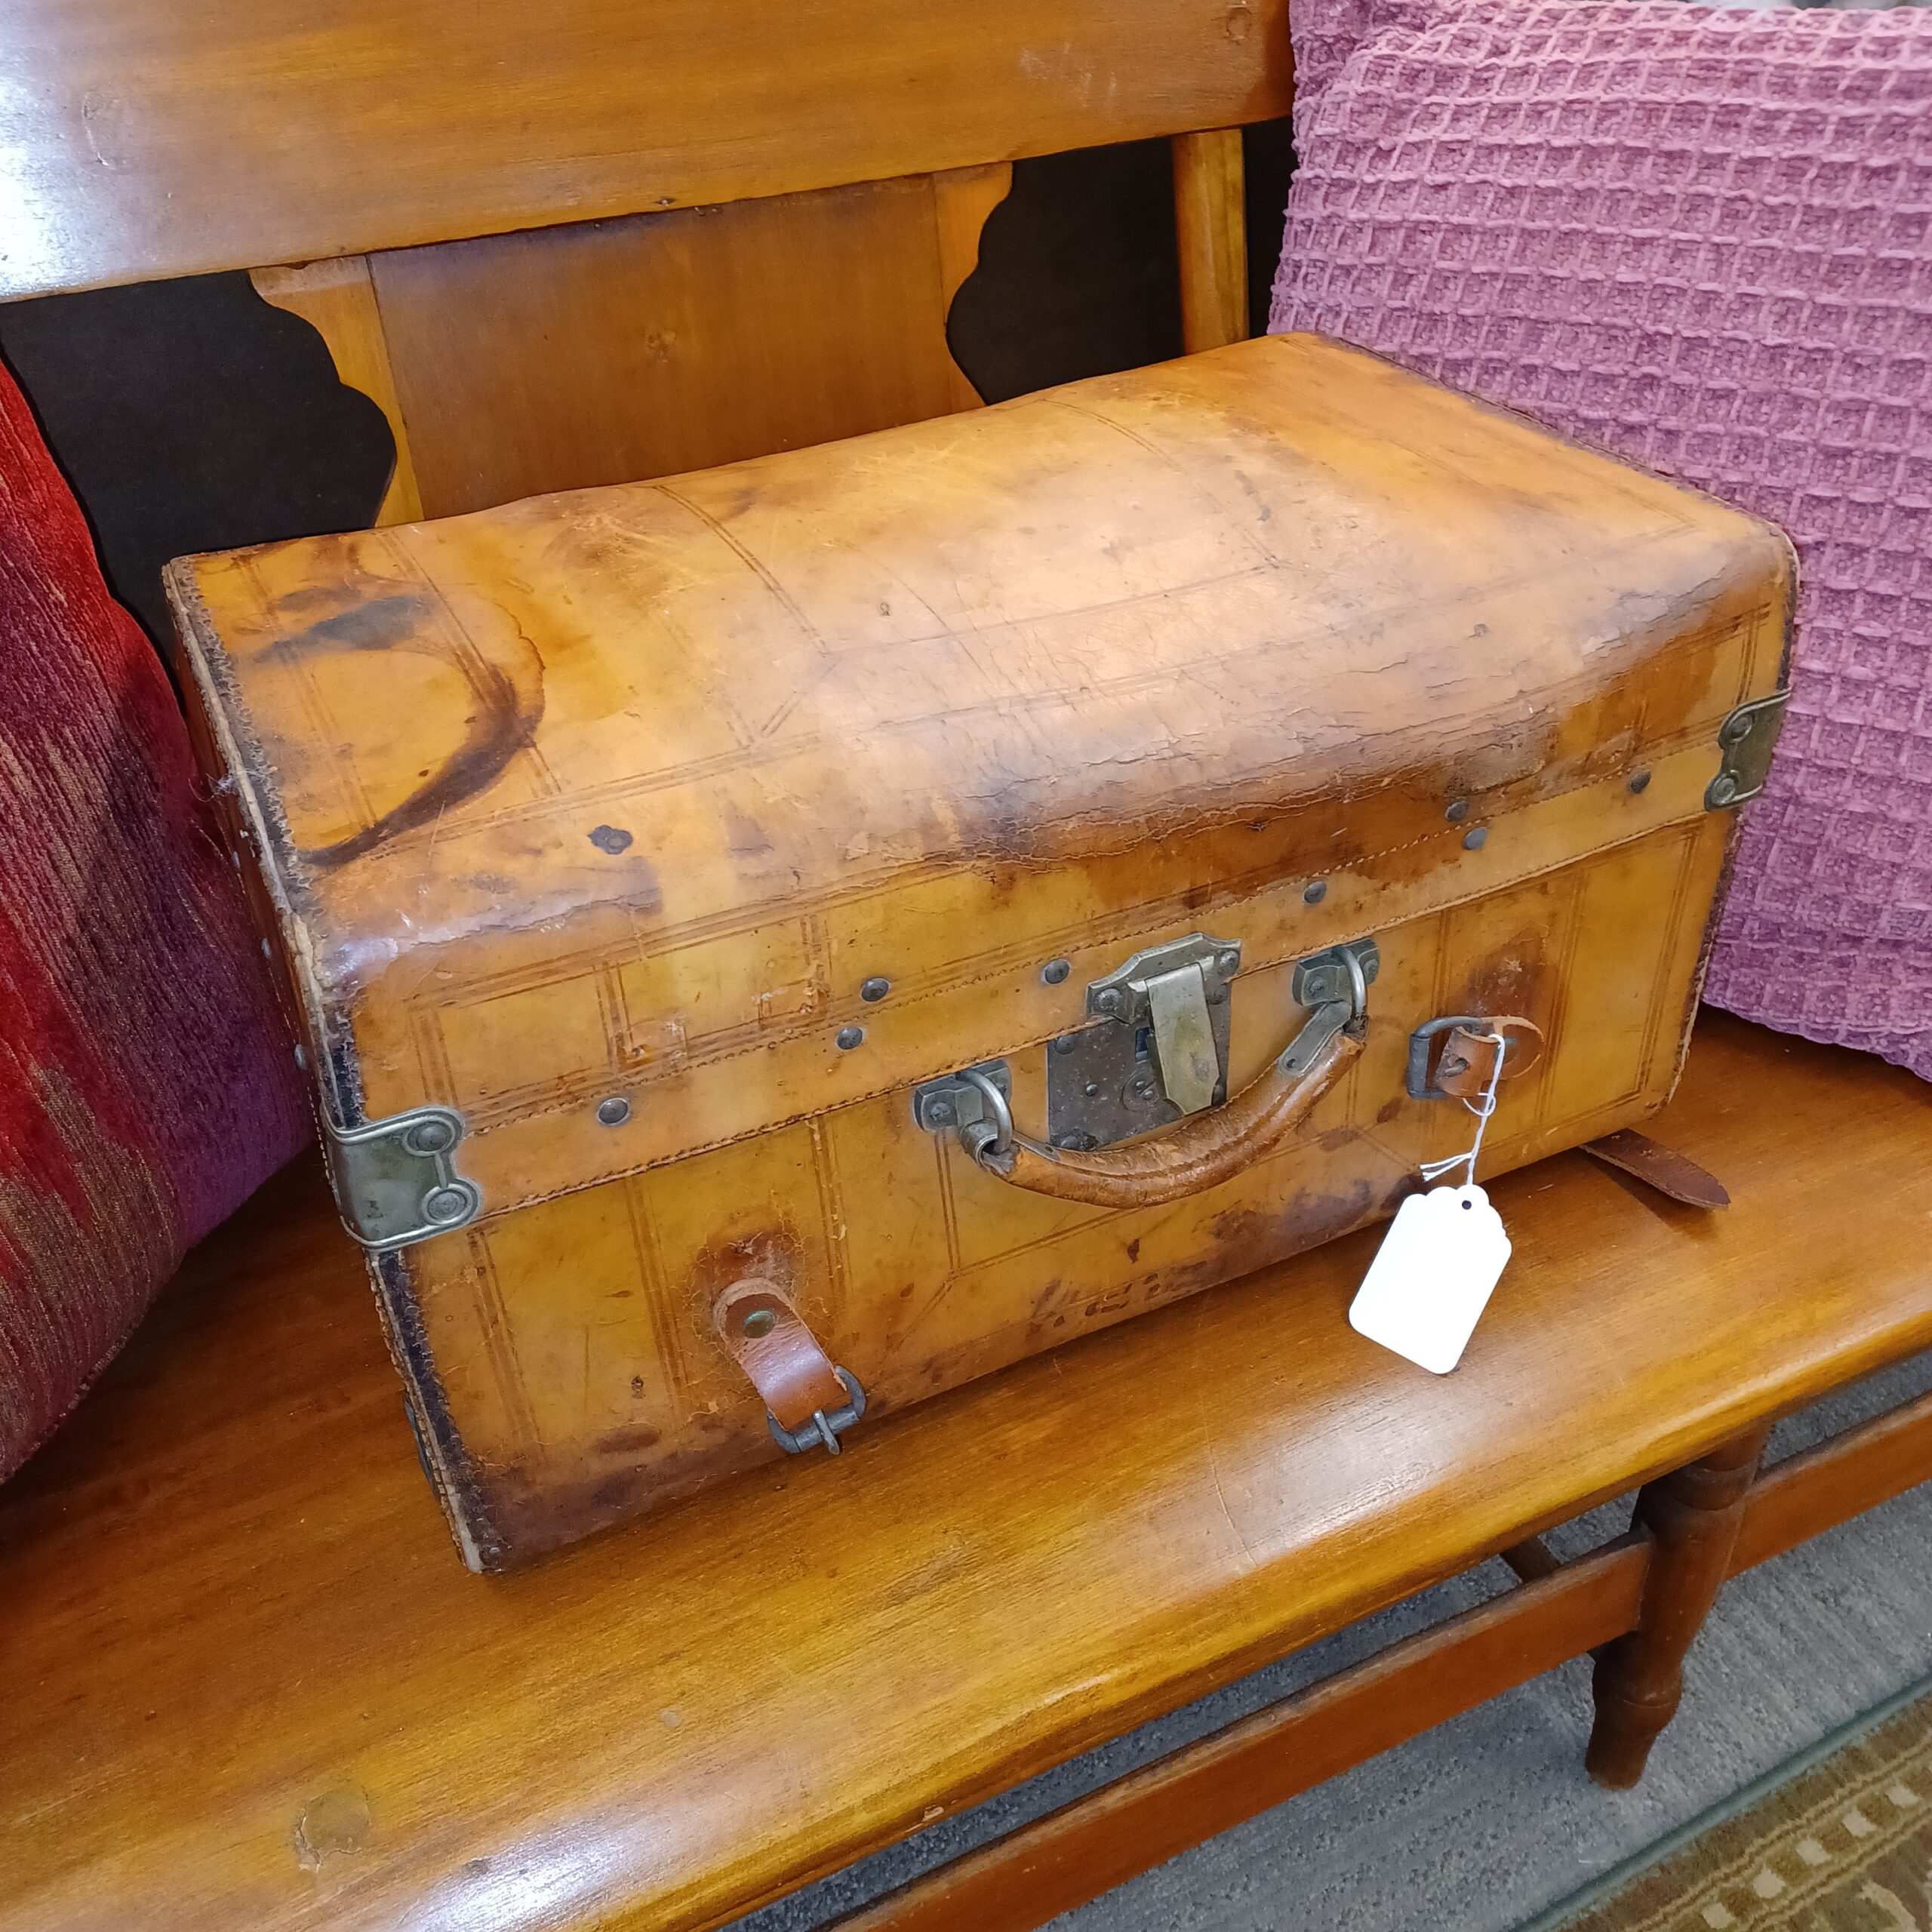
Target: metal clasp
978, 1101
1745, 741
1335, 983
1169, 989
395, 1179
824, 1429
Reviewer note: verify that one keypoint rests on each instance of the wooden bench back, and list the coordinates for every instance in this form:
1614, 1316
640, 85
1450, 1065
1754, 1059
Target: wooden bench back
593, 240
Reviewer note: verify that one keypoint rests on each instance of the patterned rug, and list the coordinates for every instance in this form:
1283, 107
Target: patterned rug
1839, 1840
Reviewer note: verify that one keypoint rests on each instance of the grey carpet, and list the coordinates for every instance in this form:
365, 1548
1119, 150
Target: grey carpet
1481, 1825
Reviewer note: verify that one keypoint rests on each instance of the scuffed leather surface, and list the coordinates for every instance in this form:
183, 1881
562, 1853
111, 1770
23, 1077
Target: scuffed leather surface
145, 1086
632, 795
1702, 240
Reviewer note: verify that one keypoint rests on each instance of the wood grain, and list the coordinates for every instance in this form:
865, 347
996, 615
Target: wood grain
337, 299
1210, 225
1161, 1810
234, 1628
162, 141
607, 352
962, 199
621, 796
1692, 1516
1839, 1479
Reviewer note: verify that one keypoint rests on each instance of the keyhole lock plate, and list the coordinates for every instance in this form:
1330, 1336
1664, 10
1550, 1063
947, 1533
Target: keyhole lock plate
1159, 1052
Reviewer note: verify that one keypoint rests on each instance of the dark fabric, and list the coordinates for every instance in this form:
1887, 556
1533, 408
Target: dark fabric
145, 1086
189, 415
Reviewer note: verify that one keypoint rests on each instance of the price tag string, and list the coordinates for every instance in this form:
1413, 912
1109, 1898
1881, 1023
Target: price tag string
1482, 1109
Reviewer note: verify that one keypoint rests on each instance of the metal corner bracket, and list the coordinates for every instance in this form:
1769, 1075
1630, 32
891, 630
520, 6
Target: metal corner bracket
395, 1179
1745, 741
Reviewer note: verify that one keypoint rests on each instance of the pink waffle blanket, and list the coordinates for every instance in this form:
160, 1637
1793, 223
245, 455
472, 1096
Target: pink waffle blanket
1702, 240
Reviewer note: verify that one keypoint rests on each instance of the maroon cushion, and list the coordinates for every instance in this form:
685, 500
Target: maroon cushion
1701, 239
145, 1084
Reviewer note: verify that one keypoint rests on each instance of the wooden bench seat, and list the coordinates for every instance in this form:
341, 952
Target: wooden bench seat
249, 1684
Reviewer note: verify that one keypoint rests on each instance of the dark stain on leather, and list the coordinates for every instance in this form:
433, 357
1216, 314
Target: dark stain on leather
744, 837
1514, 976
507, 706
629, 1441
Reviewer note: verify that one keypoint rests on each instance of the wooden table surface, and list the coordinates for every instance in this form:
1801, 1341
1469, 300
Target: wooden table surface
248, 1685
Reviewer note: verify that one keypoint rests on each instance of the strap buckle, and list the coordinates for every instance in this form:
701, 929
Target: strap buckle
826, 1426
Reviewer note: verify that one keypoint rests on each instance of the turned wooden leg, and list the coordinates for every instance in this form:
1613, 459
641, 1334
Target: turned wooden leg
1693, 1516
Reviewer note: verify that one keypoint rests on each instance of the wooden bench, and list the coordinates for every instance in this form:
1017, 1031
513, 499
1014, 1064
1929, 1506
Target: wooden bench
251, 1685
247, 1683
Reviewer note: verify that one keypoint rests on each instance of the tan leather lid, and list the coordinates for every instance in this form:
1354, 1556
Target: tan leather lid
626, 794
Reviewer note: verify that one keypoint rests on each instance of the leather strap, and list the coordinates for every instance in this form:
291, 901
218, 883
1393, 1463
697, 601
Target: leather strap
1202, 1151
1671, 1173
780, 1356
1469, 1054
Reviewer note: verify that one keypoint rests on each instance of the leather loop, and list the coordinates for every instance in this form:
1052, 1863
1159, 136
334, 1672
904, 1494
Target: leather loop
1672, 1174
780, 1356
1469, 1054
1200, 1153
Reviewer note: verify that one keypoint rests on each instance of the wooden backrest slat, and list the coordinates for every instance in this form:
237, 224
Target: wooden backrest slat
145, 140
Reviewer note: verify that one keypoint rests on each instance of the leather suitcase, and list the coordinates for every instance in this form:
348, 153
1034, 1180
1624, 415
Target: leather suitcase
775, 943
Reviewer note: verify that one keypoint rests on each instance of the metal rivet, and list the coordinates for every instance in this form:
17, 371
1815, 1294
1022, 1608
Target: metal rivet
1073, 1141
874, 990
430, 1137
1065, 1044
1054, 971
1724, 788
1640, 781
1458, 810
614, 1111
301, 1058
940, 1113
760, 1321
1476, 838
268, 951
1107, 1001
445, 1204
1230, 963
1315, 891
849, 1037
1092, 1088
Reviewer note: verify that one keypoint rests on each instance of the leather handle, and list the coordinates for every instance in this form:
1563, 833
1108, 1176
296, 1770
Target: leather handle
1201, 1153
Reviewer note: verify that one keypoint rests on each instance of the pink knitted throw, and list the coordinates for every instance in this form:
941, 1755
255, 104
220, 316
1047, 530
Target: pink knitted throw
1702, 240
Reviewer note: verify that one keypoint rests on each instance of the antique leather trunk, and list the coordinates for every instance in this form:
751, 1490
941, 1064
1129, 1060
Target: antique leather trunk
775, 943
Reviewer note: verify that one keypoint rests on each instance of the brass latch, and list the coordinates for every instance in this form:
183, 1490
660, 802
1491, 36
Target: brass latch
1745, 741
395, 1179
1171, 990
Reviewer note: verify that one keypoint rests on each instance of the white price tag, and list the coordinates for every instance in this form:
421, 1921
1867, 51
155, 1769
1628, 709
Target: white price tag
1432, 1276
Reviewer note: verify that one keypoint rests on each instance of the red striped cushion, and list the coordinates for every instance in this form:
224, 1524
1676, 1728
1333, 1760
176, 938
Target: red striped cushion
145, 1085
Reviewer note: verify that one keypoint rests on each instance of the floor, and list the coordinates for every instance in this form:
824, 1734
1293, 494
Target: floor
1483, 1825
